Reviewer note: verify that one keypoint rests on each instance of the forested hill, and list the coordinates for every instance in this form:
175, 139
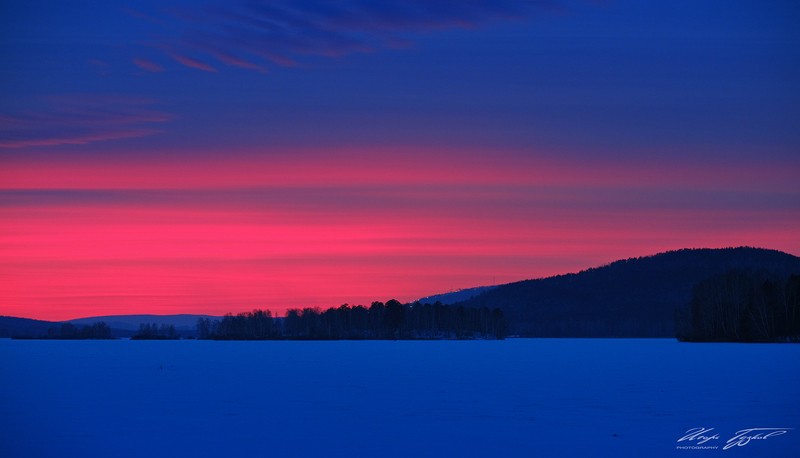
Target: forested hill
635, 297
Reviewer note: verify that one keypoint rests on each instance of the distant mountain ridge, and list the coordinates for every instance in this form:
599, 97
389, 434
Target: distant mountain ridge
635, 297
121, 325
182, 322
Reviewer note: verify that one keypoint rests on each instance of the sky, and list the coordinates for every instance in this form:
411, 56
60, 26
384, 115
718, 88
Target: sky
210, 157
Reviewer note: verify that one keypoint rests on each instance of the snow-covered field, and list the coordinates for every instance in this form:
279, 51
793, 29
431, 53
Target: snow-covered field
519, 397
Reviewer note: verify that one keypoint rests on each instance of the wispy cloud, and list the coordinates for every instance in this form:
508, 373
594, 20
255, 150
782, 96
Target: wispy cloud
80, 119
148, 65
255, 34
192, 63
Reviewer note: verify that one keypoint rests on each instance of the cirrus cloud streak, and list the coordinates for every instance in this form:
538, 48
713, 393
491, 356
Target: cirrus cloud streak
79, 119
257, 34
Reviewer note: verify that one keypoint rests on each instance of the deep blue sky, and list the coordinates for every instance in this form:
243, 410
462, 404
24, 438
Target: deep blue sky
618, 78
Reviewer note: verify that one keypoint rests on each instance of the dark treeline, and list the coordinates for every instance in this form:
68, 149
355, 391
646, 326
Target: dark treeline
148, 331
742, 306
69, 331
391, 320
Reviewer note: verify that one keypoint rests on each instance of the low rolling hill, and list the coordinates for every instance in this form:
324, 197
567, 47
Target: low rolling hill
184, 323
121, 325
11, 326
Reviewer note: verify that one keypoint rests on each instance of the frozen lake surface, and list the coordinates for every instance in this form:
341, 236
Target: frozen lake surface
518, 397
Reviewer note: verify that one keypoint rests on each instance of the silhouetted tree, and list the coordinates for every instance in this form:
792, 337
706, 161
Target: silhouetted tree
376, 312
293, 324
393, 318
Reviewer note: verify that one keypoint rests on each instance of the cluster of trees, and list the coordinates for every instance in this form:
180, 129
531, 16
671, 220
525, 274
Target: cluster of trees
391, 320
148, 331
99, 330
742, 306
255, 325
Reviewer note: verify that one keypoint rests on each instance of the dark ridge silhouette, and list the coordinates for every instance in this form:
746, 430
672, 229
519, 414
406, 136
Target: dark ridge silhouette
636, 297
24, 327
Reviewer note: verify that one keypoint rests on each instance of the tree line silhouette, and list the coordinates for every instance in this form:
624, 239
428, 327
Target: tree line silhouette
152, 331
742, 306
391, 320
69, 331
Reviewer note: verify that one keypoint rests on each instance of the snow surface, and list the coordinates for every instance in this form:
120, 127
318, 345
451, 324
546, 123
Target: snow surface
518, 397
